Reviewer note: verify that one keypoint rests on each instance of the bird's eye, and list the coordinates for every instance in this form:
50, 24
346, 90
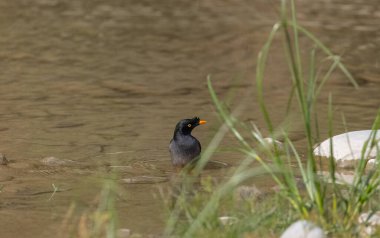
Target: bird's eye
189, 125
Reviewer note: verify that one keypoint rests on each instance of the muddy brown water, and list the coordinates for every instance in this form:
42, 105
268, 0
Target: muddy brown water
103, 83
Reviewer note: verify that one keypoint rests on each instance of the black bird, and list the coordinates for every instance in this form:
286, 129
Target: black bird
185, 148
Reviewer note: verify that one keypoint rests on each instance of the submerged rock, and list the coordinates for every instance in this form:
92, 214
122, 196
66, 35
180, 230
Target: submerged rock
369, 222
347, 148
303, 229
3, 159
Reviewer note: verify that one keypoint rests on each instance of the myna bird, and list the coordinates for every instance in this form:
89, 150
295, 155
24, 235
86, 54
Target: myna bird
185, 148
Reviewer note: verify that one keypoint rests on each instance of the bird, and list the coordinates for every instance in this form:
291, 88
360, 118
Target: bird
185, 148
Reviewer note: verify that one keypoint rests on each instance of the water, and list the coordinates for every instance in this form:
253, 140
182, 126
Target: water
104, 83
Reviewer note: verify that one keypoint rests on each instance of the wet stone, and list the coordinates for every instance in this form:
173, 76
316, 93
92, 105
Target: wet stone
3, 160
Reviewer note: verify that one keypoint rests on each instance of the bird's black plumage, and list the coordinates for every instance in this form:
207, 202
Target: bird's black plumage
185, 148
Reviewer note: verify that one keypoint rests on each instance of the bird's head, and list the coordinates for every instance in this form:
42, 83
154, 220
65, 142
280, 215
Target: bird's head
185, 126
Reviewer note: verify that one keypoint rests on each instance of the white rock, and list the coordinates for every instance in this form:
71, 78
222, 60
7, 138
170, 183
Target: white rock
303, 229
347, 148
370, 221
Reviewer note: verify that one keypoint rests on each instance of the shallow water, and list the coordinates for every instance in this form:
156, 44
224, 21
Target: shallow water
103, 84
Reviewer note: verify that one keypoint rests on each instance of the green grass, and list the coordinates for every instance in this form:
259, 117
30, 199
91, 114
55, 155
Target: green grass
334, 207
